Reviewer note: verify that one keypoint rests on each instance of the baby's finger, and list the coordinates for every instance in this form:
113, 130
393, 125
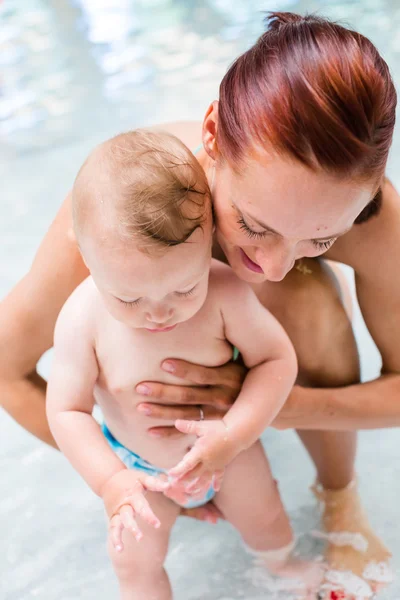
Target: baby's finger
154, 484
217, 480
143, 509
188, 462
129, 521
190, 427
202, 482
186, 479
115, 532
177, 494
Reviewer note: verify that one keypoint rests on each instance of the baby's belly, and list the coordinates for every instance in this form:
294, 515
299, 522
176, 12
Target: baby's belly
130, 428
137, 358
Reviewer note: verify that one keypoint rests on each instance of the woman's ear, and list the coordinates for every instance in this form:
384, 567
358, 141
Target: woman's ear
210, 126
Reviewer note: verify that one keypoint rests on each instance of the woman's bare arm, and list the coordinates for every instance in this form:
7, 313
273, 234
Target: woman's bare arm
27, 319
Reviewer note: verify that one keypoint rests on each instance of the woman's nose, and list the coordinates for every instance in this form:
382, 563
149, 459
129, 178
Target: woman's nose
276, 261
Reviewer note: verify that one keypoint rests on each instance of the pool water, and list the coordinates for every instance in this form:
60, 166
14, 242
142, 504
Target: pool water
72, 74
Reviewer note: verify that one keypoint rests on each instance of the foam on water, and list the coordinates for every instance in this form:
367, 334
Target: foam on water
350, 583
344, 538
380, 572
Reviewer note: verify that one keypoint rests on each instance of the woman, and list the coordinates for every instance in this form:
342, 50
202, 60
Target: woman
295, 152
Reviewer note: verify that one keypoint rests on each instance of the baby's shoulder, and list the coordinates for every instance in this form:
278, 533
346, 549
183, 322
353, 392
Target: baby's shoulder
224, 282
80, 310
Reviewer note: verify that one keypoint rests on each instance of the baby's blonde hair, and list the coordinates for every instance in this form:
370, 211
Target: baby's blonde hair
141, 185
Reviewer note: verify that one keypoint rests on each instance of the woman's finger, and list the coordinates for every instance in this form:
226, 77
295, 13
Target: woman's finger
127, 514
191, 372
116, 528
231, 374
209, 512
178, 394
173, 413
165, 432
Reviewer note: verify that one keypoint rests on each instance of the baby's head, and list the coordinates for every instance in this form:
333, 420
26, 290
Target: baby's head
143, 221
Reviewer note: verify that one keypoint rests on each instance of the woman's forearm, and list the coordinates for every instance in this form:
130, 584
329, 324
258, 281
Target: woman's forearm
371, 405
24, 399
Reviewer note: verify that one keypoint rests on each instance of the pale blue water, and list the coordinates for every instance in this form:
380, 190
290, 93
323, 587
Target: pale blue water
72, 74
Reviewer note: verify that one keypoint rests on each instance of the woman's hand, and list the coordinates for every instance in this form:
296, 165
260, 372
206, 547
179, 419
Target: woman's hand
214, 390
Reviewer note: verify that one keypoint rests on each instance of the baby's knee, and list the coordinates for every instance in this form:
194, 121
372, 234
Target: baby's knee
137, 560
271, 530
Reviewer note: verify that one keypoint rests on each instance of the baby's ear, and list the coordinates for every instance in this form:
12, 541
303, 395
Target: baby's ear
71, 235
80, 252
72, 238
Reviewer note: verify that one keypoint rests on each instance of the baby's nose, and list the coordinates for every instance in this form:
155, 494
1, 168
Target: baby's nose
159, 314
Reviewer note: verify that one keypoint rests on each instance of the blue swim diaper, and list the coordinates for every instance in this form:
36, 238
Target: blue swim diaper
134, 461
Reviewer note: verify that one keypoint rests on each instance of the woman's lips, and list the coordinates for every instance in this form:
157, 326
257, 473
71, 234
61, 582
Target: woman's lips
249, 263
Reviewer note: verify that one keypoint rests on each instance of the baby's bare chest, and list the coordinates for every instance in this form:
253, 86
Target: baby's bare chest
127, 356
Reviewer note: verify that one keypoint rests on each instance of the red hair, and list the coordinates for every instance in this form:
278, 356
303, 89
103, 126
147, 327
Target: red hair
312, 90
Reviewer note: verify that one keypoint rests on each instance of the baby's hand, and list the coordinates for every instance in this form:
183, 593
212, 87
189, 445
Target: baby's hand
204, 464
124, 498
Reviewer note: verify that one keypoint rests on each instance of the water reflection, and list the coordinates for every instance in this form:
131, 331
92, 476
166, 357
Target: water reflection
68, 66
72, 72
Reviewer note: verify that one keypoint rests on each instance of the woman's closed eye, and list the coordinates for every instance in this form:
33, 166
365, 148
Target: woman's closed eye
324, 245
321, 245
250, 232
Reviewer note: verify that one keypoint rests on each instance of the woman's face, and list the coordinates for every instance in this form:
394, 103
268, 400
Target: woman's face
276, 211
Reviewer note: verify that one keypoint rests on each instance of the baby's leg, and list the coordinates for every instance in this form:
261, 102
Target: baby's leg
140, 566
250, 500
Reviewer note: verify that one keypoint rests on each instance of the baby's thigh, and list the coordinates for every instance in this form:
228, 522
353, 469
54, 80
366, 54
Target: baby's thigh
148, 555
249, 499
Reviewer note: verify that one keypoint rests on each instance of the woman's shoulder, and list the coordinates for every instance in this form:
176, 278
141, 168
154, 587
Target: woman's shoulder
369, 242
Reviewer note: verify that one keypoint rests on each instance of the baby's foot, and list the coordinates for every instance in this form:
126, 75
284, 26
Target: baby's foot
356, 557
307, 576
308, 572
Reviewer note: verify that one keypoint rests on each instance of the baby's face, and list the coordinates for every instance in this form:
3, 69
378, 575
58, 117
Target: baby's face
154, 291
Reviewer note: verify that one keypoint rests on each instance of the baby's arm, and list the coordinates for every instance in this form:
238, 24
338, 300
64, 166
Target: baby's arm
70, 403
269, 354
267, 351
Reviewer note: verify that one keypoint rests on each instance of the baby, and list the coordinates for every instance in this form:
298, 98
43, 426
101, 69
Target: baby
143, 221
